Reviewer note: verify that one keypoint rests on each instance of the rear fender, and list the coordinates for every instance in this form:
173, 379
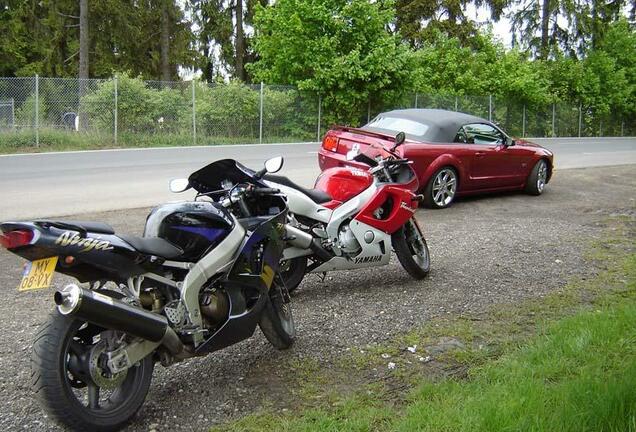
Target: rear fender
96, 256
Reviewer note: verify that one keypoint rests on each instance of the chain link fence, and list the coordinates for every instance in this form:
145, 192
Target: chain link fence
130, 112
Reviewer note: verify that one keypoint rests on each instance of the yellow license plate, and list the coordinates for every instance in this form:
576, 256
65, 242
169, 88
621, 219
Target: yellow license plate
38, 274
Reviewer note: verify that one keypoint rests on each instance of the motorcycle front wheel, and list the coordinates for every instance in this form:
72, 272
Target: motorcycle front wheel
277, 322
412, 251
65, 351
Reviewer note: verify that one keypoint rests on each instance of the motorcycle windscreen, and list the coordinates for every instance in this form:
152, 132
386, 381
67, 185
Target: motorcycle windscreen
211, 177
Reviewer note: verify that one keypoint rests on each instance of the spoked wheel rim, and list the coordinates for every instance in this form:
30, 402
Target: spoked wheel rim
444, 187
542, 176
418, 247
82, 361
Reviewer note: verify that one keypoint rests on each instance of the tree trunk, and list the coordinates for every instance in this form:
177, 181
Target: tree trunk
165, 42
240, 42
545, 30
83, 50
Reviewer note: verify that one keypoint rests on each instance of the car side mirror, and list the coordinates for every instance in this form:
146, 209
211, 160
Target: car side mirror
179, 185
509, 142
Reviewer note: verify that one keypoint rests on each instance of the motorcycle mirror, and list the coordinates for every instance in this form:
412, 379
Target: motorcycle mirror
399, 139
179, 185
355, 151
274, 164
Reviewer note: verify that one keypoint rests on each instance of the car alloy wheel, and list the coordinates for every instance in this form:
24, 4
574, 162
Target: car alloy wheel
444, 187
542, 176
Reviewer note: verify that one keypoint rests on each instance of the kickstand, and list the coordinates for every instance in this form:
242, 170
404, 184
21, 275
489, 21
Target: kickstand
322, 277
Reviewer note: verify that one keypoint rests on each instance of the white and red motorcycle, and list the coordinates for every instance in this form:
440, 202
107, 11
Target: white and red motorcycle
354, 217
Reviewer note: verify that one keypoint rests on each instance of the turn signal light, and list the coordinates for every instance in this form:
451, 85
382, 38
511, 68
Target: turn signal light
16, 238
330, 143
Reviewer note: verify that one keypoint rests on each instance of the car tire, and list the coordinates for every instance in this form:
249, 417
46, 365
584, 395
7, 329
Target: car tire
444, 181
538, 178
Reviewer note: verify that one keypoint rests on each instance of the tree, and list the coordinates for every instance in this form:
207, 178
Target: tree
44, 37
341, 49
83, 39
225, 46
419, 21
548, 27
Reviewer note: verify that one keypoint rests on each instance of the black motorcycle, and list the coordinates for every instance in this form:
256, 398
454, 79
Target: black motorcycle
202, 277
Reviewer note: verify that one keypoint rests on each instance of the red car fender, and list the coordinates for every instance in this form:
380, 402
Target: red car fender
425, 173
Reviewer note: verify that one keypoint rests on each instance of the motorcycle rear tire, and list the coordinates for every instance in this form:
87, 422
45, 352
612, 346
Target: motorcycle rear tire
295, 273
277, 322
54, 384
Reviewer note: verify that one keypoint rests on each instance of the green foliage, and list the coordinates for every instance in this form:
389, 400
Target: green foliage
339, 49
43, 37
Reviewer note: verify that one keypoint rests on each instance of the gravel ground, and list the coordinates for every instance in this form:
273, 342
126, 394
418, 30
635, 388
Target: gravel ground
487, 250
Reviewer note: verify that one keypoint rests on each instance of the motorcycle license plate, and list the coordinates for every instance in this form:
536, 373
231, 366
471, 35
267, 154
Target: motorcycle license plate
38, 274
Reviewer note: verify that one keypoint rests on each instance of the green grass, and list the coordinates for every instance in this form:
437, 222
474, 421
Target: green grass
566, 362
52, 140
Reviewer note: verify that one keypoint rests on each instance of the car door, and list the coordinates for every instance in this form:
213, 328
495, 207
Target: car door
493, 164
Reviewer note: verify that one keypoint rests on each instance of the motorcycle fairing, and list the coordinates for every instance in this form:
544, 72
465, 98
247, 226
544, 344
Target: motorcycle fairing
249, 281
374, 253
403, 207
96, 256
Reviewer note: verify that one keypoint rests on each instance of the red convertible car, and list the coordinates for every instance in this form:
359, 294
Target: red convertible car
453, 153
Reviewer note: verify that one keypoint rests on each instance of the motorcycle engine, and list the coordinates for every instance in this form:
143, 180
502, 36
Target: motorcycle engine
347, 241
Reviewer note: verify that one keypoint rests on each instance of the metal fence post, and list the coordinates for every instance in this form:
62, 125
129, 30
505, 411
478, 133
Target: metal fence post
523, 122
260, 125
600, 127
319, 115
622, 126
369, 111
553, 119
415, 100
456, 102
194, 115
12, 113
580, 117
490, 107
115, 116
37, 110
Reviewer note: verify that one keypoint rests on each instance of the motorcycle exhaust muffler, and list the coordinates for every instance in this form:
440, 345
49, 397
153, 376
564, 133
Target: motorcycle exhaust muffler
110, 313
301, 239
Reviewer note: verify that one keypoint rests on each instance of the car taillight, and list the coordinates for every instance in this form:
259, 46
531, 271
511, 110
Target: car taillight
16, 238
330, 143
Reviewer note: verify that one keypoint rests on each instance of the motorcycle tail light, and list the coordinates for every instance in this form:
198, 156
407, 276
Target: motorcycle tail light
330, 143
16, 238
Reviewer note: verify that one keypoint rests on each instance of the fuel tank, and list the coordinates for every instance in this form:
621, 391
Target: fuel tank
343, 183
196, 227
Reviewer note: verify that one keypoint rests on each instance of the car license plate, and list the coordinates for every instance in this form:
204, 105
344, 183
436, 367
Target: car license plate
38, 274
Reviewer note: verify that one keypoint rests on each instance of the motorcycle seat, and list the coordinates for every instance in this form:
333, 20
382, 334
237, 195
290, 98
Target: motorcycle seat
316, 195
88, 226
153, 246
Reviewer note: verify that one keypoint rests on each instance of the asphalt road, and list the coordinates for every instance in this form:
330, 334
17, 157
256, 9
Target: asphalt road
57, 184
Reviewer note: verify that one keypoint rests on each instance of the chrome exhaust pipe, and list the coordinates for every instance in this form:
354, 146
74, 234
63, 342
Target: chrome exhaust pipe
301, 239
110, 313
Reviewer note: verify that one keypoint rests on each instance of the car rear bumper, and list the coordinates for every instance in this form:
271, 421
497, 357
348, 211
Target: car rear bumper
328, 159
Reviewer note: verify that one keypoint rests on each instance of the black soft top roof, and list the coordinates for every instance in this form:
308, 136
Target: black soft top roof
442, 125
